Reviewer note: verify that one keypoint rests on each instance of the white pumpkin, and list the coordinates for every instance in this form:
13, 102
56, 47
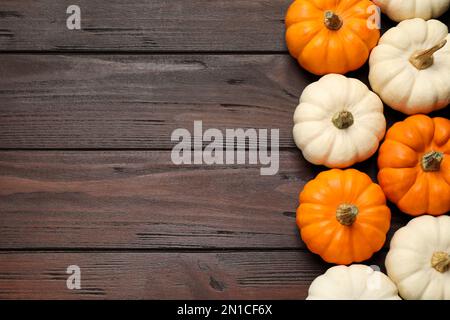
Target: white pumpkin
338, 122
399, 10
410, 68
419, 259
356, 282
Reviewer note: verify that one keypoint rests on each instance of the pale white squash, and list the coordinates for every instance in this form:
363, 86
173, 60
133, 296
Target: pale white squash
356, 282
338, 122
410, 68
399, 10
419, 259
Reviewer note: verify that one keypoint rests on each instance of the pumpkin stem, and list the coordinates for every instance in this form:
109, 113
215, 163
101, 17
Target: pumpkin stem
346, 214
332, 20
440, 261
424, 59
431, 161
343, 120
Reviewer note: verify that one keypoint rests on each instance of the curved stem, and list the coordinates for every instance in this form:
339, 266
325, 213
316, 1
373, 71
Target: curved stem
424, 59
440, 261
431, 161
346, 214
343, 120
332, 21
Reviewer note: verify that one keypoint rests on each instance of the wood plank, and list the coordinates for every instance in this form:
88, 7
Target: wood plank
193, 275
139, 199
136, 101
103, 101
142, 25
148, 26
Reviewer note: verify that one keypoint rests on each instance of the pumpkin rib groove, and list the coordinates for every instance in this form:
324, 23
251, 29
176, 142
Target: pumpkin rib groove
355, 149
323, 224
395, 73
312, 43
360, 41
344, 39
407, 276
350, 29
395, 185
388, 81
372, 248
409, 91
375, 247
437, 85
355, 109
419, 178
317, 134
427, 284
345, 58
311, 35
419, 134
362, 192
405, 155
326, 154
323, 247
371, 213
316, 217
347, 5
368, 133
382, 232
352, 244
330, 146
326, 248
314, 4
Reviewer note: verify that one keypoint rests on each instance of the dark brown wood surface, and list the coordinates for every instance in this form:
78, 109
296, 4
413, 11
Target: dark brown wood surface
166, 275
123, 101
85, 171
140, 199
144, 25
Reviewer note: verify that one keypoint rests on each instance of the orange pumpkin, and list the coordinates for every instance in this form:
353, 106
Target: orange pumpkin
414, 163
331, 36
343, 216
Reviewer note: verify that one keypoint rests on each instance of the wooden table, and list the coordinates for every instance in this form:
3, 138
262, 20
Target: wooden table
85, 171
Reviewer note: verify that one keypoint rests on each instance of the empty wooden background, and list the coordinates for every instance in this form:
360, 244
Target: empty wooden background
85, 172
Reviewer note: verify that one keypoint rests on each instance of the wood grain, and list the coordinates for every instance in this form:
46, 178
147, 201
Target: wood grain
139, 199
143, 25
135, 101
166, 275
110, 101
148, 26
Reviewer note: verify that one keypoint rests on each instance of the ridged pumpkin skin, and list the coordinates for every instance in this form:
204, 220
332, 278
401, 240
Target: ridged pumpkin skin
402, 175
343, 216
356, 282
399, 10
325, 43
